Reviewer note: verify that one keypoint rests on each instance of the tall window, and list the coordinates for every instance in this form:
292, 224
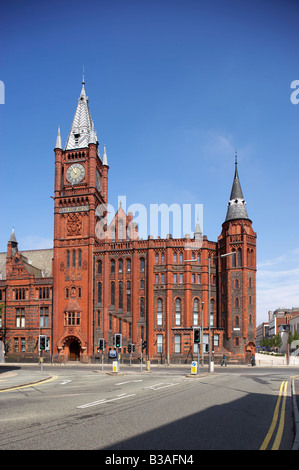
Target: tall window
120, 266
142, 306
128, 265
44, 317
74, 259
99, 292
159, 312
142, 265
195, 312
128, 296
177, 344
159, 344
120, 295
67, 259
112, 266
20, 318
112, 293
178, 312
99, 267
79, 258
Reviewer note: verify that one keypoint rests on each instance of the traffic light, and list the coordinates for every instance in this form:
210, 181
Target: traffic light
101, 344
143, 344
129, 348
133, 347
117, 340
42, 342
196, 335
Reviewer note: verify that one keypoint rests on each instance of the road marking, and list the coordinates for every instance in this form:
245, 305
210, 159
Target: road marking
40, 382
277, 441
65, 382
128, 381
274, 420
156, 386
101, 402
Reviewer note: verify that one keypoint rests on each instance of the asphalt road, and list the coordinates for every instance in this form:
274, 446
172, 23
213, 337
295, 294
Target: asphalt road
165, 409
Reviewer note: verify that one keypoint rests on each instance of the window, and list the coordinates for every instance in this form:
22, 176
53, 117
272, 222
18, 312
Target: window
239, 257
44, 293
156, 258
237, 284
142, 284
181, 257
177, 344
112, 293
216, 339
44, 317
99, 292
142, 265
16, 344
120, 266
237, 321
72, 319
181, 278
195, 312
142, 306
99, 267
74, 259
79, 258
178, 312
162, 278
157, 278
67, 259
159, 344
128, 296
175, 278
162, 258
20, 318
128, 265
237, 302
175, 257
159, 312
112, 266
23, 345
120, 295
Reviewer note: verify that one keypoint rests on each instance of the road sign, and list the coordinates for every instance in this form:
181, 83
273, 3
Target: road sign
194, 367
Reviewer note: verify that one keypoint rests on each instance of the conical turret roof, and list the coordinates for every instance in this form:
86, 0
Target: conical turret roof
236, 208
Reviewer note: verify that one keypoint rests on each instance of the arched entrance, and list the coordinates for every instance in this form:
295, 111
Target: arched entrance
74, 349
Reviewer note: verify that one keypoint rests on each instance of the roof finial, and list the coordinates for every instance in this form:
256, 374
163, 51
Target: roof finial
236, 159
83, 78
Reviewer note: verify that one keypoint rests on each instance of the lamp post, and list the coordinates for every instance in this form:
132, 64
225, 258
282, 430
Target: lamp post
209, 299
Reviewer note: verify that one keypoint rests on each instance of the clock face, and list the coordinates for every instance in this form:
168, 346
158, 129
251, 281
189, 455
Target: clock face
75, 173
98, 181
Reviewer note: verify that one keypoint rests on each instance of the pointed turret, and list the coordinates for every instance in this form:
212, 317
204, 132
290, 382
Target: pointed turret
105, 160
236, 206
82, 131
58, 140
12, 245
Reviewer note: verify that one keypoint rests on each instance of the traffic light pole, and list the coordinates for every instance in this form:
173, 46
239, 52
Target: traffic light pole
141, 354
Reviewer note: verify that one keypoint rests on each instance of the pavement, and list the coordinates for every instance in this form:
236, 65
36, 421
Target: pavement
19, 376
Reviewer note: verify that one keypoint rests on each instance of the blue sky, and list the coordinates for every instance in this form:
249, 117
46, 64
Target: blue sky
174, 88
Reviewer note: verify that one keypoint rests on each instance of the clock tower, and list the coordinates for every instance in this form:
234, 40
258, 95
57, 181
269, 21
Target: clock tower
81, 185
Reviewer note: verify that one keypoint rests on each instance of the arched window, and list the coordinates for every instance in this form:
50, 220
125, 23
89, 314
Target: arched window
99, 267
237, 321
67, 259
112, 266
74, 259
178, 304
142, 265
99, 292
120, 266
79, 258
142, 306
120, 295
195, 312
234, 259
128, 265
112, 293
128, 296
237, 284
239, 257
237, 302
159, 312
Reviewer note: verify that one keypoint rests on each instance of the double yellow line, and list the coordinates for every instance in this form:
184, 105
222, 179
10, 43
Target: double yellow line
277, 441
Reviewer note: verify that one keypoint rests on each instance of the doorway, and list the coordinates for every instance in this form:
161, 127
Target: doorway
75, 350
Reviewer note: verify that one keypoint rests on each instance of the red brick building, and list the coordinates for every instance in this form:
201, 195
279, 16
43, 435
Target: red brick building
104, 279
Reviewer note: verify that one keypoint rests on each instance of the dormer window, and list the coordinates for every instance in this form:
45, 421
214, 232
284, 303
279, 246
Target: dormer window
77, 139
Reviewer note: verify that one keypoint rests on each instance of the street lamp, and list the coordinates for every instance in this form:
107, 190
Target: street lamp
209, 299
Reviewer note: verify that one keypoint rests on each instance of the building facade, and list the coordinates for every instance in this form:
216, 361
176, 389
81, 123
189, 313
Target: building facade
103, 279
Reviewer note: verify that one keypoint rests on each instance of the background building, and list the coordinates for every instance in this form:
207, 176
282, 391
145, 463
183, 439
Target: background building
104, 279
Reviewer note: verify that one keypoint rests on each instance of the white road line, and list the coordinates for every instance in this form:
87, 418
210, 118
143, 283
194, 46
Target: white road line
101, 402
155, 387
128, 381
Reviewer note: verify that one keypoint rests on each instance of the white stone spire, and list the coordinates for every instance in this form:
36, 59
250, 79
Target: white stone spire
82, 126
105, 161
58, 140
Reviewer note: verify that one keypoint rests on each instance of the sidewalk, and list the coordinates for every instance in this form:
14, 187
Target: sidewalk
18, 376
